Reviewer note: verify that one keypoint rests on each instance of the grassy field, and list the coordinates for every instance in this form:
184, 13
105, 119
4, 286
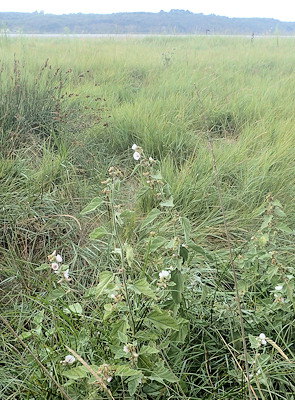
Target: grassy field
175, 272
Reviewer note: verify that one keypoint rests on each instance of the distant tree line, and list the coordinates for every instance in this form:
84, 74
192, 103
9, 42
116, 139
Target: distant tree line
173, 22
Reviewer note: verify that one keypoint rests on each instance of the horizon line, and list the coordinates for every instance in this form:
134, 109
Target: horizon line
138, 12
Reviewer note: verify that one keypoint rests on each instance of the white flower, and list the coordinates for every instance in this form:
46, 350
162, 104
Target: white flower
55, 267
136, 155
67, 275
58, 258
126, 349
134, 147
279, 287
69, 359
109, 379
164, 274
262, 339
262, 336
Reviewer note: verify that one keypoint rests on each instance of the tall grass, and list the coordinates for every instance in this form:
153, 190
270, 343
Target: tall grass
69, 110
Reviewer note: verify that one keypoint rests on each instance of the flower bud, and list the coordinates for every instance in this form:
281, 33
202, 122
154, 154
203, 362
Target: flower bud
69, 359
58, 258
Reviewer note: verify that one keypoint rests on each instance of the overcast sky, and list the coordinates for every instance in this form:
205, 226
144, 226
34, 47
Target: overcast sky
280, 9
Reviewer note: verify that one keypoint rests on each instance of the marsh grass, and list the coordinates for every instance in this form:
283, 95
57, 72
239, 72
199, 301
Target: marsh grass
65, 121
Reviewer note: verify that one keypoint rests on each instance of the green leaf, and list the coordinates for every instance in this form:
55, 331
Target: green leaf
128, 216
133, 384
75, 308
272, 271
143, 287
42, 267
38, 318
157, 242
98, 233
105, 278
119, 352
180, 336
266, 221
277, 203
162, 319
76, 373
200, 250
186, 226
69, 383
177, 289
56, 294
161, 374
38, 330
147, 350
118, 219
284, 228
122, 337
129, 254
183, 252
109, 309
158, 176
254, 342
118, 328
197, 249
279, 212
153, 389
92, 206
290, 290
146, 335
243, 286
152, 215
167, 203
125, 370
26, 335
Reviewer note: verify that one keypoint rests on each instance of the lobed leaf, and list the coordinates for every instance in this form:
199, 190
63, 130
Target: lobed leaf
162, 319
143, 287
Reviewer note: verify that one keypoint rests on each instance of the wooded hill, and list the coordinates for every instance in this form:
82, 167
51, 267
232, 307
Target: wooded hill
172, 22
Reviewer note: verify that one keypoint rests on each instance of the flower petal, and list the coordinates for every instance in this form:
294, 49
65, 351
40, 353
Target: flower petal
136, 155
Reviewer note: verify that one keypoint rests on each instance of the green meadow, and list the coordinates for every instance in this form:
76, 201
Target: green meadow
147, 218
